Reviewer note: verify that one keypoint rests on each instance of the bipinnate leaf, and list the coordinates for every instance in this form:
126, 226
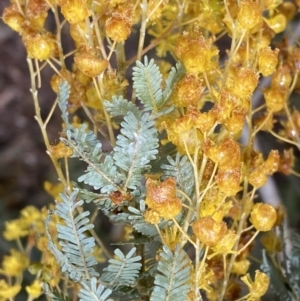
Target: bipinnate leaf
173, 275
122, 271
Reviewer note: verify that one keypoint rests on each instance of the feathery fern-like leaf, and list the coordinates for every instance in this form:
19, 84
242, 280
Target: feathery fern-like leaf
276, 278
294, 262
147, 81
55, 295
63, 96
173, 77
77, 247
92, 291
122, 271
180, 169
172, 278
121, 107
103, 176
135, 147
62, 260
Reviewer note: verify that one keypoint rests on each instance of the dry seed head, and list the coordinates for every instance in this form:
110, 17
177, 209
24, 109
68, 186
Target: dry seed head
205, 121
245, 82
249, 14
161, 197
258, 177
208, 231
90, 64
267, 61
228, 180
118, 27
272, 163
60, 150
263, 217
13, 18
40, 46
234, 123
187, 91
75, 11
277, 22
36, 7
282, 78
275, 99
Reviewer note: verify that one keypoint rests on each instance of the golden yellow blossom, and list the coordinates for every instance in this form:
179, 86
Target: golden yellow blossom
161, 197
15, 229
8, 291
258, 287
35, 289
14, 264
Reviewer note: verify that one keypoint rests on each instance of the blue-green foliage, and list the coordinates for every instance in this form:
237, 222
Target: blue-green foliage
173, 275
121, 107
147, 81
122, 169
182, 170
55, 295
76, 256
122, 271
92, 291
173, 77
136, 146
285, 276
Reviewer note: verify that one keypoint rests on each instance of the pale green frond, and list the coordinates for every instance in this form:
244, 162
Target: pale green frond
121, 107
173, 77
182, 170
277, 280
61, 259
62, 100
92, 291
147, 81
136, 146
294, 263
55, 295
77, 247
122, 271
135, 218
173, 275
103, 176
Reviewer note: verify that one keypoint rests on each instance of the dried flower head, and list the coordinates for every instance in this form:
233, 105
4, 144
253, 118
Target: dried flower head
249, 14
90, 64
13, 18
118, 27
263, 217
40, 46
187, 91
258, 287
75, 11
161, 197
208, 231
267, 60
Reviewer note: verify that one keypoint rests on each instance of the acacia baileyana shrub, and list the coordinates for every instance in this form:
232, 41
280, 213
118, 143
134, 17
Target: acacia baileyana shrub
179, 168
